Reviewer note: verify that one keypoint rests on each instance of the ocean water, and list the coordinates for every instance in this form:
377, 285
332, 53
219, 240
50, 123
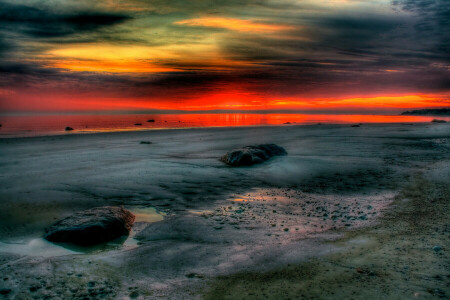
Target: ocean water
52, 124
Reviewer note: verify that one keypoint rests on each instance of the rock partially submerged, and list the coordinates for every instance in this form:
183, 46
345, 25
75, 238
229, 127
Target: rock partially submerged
251, 155
68, 128
92, 226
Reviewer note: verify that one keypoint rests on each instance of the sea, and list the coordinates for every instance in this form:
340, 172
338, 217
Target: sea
29, 125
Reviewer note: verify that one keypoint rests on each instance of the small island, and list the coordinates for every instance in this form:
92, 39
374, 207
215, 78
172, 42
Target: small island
428, 112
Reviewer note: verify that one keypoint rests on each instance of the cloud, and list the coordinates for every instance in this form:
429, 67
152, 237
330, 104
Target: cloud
41, 23
234, 24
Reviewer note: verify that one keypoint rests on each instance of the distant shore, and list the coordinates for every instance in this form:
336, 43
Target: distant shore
427, 112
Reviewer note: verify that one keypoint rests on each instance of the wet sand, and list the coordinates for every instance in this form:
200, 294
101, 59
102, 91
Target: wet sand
405, 256
335, 218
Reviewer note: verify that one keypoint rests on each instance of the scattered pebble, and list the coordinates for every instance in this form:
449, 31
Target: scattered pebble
5, 291
437, 248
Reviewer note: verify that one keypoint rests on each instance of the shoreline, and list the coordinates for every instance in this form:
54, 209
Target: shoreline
78, 133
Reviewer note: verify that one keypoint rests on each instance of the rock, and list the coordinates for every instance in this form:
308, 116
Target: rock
138, 124
5, 291
436, 248
151, 121
92, 226
68, 128
438, 121
145, 142
356, 125
134, 294
251, 155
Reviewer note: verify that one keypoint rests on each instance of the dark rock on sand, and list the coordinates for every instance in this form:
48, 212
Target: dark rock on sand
151, 121
251, 155
68, 128
5, 291
436, 248
145, 142
138, 124
92, 226
438, 121
356, 125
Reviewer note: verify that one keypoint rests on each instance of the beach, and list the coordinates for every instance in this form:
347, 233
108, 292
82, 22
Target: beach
350, 212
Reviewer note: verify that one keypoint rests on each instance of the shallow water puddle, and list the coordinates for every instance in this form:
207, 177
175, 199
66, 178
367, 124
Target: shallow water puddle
42, 247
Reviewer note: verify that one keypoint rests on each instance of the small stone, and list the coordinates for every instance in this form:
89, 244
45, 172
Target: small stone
437, 248
5, 291
194, 275
68, 128
134, 294
34, 288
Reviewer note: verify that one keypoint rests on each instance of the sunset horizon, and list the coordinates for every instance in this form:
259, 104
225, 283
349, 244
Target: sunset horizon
127, 55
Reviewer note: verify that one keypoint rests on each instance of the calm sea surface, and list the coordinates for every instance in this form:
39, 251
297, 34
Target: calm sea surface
38, 125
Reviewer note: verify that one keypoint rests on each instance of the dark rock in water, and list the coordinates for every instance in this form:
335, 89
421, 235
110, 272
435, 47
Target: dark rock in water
356, 125
138, 124
68, 128
92, 226
151, 121
251, 155
145, 142
438, 121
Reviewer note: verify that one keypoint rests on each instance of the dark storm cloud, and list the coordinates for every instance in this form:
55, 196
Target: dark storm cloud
432, 27
37, 22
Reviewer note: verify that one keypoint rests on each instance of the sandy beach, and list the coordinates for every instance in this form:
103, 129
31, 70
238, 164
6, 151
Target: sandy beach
349, 213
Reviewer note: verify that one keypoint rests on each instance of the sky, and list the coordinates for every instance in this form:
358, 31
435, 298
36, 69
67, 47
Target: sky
198, 55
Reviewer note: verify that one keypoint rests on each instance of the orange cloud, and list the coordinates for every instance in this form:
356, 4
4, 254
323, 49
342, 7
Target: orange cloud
139, 59
110, 66
235, 24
